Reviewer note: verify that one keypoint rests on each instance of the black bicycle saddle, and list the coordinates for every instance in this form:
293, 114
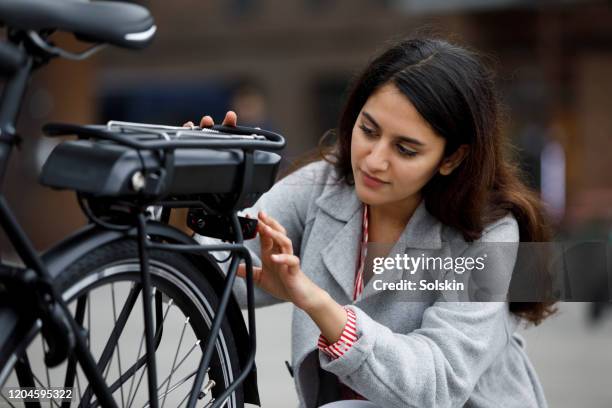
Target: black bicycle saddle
122, 24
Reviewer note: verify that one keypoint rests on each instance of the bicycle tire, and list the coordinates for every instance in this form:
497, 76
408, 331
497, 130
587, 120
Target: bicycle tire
176, 278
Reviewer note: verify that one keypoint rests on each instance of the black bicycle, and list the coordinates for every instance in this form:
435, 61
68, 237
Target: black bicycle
128, 311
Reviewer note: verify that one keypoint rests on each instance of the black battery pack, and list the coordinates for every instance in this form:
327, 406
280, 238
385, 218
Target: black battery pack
220, 226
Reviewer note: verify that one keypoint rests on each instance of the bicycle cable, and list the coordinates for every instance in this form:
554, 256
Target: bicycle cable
98, 221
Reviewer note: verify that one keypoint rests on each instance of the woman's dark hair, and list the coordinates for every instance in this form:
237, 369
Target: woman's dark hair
455, 93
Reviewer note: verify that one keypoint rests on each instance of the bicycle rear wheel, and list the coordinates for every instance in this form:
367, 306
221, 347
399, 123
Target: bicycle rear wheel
103, 290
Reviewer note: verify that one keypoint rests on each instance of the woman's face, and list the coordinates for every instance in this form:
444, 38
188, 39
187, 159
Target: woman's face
394, 151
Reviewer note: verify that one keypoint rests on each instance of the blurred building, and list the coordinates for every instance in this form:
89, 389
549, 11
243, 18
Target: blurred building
553, 59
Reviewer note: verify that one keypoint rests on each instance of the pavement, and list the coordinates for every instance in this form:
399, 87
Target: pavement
572, 358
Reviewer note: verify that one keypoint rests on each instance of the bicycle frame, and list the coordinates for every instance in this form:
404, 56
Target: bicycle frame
10, 102
9, 108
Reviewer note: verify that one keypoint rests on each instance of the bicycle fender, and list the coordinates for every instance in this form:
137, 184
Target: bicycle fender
90, 237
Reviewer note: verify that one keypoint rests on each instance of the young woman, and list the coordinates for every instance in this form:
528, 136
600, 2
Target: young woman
419, 161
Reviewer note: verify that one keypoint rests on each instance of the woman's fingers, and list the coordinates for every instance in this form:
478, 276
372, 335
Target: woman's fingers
292, 261
231, 119
241, 271
279, 238
266, 241
206, 121
272, 222
188, 124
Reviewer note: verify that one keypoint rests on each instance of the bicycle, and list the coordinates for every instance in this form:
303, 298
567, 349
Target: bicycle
127, 178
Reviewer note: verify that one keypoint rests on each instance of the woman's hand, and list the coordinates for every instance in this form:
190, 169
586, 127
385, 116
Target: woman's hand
207, 121
280, 274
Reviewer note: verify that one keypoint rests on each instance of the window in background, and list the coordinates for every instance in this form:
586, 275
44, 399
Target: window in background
329, 96
167, 103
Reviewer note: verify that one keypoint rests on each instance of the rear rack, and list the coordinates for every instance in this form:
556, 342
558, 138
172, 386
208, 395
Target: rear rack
216, 137
176, 132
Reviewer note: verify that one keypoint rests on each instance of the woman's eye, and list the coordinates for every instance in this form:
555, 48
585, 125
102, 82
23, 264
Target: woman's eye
366, 130
406, 152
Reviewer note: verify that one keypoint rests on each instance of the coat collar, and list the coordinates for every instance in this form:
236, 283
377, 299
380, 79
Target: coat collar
422, 230
339, 201
340, 256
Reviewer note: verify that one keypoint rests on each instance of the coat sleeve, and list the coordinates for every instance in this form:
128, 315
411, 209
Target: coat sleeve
287, 202
438, 364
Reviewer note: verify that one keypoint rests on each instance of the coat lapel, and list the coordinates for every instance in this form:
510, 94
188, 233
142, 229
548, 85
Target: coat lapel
343, 225
342, 230
421, 232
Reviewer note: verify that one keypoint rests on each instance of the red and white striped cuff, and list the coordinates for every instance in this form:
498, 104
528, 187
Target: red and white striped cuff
346, 340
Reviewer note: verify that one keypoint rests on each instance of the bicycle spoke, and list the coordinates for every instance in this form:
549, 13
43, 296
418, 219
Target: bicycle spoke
118, 349
8, 401
71, 368
137, 358
113, 340
78, 386
178, 348
107, 369
42, 342
175, 386
131, 398
137, 386
134, 376
42, 386
130, 402
119, 326
183, 400
197, 343
107, 353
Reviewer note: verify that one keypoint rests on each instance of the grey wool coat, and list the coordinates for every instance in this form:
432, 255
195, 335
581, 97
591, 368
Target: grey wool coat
409, 354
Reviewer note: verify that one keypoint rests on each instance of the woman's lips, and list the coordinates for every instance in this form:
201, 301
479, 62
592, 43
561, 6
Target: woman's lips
370, 181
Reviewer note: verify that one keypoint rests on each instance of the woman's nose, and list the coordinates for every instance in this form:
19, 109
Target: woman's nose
377, 158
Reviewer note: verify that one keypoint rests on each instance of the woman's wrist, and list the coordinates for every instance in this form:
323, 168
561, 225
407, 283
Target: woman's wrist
328, 315
317, 302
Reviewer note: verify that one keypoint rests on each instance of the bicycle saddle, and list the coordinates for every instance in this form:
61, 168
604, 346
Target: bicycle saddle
121, 24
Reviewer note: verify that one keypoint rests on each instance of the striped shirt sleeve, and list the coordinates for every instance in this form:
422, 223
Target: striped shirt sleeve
346, 340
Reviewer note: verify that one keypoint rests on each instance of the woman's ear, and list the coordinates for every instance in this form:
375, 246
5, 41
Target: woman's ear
451, 162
